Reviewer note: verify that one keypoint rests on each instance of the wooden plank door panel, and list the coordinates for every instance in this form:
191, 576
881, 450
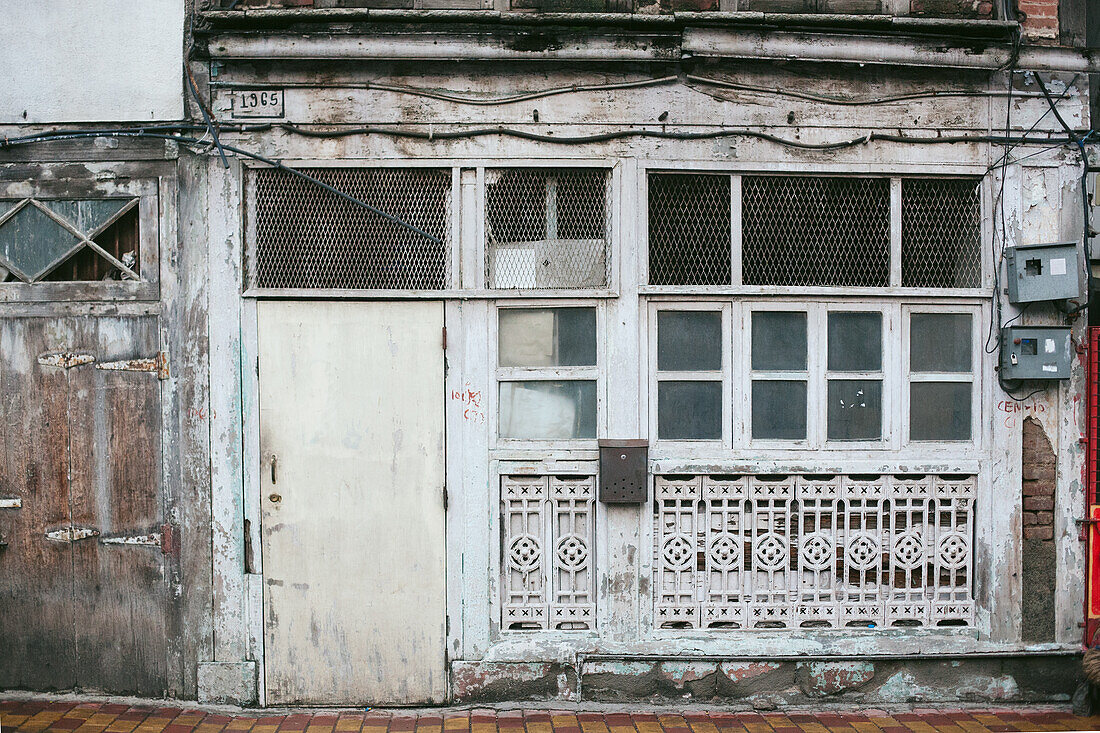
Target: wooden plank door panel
37, 646
351, 410
120, 589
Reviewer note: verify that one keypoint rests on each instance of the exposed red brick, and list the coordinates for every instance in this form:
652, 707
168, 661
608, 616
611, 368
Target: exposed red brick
1038, 503
1038, 533
1030, 518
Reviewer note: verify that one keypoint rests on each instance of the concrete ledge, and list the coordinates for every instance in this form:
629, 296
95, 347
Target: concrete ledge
230, 683
769, 683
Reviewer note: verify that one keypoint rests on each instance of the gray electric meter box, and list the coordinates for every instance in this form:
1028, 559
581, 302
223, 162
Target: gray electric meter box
1039, 272
1036, 352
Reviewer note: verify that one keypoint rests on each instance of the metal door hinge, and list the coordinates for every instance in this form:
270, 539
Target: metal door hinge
445, 498
65, 359
157, 364
72, 534
444, 338
146, 540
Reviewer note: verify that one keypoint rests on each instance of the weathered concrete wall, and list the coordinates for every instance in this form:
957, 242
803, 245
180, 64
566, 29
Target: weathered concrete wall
765, 684
74, 61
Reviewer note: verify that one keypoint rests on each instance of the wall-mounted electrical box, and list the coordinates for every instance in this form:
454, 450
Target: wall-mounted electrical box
1036, 352
623, 471
1043, 272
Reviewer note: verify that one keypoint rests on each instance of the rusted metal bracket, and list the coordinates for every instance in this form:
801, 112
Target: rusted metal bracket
65, 359
9, 502
157, 364
72, 534
146, 540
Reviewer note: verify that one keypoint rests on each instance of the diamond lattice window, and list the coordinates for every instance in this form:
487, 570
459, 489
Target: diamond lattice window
786, 552
547, 228
307, 237
547, 553
806, 231
68, 240
941, 232
689, 229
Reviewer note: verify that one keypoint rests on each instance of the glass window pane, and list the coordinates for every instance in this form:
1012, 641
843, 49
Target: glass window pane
551, 410
778, 341
689, 341
855, 409
939, 411
689, 410
855, 342
940, 342
778, 410
539, 337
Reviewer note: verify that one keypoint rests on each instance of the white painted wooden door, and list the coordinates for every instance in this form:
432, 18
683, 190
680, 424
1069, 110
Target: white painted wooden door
351, 435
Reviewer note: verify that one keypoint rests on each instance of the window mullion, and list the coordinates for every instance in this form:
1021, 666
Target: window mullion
895, 232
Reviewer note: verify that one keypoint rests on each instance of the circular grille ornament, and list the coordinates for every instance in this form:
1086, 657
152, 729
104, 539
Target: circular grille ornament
678, 552
572, 551
771, 551
817, 551
524, 553
909, 550
725, 552
954, 550
863, 551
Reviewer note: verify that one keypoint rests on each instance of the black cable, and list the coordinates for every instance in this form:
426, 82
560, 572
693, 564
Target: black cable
205, 116
239, 151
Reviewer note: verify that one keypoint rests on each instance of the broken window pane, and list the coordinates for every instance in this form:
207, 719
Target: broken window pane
778, 410
855, 342
547, 337
779, 341
940, 342
689, 410
939, 410
855, 409
35, 246
547, 410
689, 229
689, 340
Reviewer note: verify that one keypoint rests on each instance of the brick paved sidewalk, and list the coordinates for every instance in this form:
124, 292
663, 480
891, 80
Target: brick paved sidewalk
37, 716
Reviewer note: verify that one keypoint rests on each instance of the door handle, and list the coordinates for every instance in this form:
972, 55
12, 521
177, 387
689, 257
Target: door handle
274, 461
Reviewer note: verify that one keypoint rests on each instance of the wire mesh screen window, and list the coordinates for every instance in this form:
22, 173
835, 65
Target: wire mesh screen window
547, 228
307, 237
941, 233
814, 231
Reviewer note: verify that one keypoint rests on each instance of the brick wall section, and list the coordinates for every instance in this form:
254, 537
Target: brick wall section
1039, 468
1040, 19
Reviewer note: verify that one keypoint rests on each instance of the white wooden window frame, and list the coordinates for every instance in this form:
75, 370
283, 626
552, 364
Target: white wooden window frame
594, 373
971, 377
142, 186
723, 376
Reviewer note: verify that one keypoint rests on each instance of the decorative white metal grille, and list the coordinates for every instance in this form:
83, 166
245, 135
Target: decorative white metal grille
941, 232
814, 551
815, 230
307, 237
547, 228
548, 533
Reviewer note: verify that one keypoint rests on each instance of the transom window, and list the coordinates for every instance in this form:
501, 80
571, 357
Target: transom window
814, 231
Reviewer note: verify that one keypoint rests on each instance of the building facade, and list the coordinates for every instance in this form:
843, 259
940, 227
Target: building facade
455, 352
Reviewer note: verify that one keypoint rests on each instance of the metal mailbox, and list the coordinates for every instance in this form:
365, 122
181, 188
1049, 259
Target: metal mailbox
1038, 272
1036, 352
623, 468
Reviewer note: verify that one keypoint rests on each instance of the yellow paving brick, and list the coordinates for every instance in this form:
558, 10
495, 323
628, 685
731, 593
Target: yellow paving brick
483, 727
756, 726
813, 727
648, 726
699, 726
918, 725
121, 726
348, 724
593, 726
865, 726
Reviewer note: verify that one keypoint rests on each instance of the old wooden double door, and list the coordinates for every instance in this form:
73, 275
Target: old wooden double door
351, 408
84, 597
